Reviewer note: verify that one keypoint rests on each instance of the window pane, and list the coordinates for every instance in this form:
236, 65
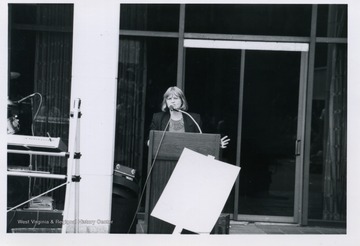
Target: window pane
327, 189
162, 69
290, 20
332, 21
150, 17
40, 62
22, 13
212, 90
34, 14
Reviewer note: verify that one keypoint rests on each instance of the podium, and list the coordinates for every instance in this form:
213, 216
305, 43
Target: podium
166, 156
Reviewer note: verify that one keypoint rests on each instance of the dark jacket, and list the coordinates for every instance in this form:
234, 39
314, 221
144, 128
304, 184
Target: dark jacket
160, 120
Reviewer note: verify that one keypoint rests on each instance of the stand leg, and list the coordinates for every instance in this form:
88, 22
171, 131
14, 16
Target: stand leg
73, 168
77, 174
177, 230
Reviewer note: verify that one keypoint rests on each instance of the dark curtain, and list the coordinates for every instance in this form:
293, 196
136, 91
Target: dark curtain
336, 121
52, 79
131, 90
130, 104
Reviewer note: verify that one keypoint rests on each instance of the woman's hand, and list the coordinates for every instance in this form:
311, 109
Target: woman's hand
224, 141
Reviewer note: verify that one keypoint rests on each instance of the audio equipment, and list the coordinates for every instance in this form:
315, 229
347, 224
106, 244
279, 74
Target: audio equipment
127, 172
35, 143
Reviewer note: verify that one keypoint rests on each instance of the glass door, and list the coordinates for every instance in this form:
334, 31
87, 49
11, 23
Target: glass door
256, 98
268, 135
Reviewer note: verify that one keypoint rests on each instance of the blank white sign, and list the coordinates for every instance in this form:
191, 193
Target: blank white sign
196, 192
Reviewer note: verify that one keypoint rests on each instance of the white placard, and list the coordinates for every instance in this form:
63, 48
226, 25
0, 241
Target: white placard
196, 192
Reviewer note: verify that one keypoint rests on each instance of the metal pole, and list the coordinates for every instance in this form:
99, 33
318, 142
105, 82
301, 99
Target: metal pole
77, 167
31, 152
73, 147
36, 174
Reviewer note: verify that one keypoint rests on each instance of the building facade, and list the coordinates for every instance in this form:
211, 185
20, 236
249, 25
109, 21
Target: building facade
272, 77
266, 76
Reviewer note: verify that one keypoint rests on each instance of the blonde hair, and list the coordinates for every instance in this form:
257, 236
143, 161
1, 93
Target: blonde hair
174, 91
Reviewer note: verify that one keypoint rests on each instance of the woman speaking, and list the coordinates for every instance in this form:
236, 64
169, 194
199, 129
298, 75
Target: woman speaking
175, 118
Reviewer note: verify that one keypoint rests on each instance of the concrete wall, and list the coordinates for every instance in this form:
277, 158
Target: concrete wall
94, 81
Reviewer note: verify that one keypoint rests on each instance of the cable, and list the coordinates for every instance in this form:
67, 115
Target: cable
36, 113
33, 198
148, 176
11, 220
38, 109
37, 219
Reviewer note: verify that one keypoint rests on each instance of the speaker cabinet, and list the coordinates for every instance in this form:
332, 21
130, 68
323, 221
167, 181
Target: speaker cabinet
124, 204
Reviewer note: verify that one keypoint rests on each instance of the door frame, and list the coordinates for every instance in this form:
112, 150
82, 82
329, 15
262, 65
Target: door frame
299, 144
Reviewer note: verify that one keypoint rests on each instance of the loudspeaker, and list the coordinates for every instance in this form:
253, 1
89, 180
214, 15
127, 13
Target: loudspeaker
124, 204
17, 190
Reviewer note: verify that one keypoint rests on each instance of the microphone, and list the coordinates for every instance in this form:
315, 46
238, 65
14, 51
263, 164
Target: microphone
171, 107
181, 111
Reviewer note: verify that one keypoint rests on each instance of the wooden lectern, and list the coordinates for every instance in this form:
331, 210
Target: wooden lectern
169, 152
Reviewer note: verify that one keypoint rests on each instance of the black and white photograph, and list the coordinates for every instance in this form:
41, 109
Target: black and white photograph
174, 123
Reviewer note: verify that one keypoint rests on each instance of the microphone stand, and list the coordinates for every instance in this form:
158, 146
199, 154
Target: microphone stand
148, 175
37, 111
181, 111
